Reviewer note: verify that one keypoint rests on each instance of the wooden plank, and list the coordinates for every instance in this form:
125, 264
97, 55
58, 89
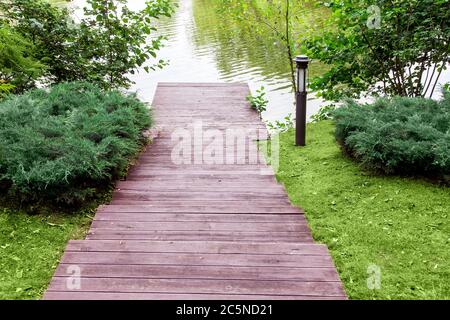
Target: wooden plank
198, 259
198, 196
250, 175
200, 236
248, 236
191, 85
83, 295
194, 195
200, 226
223, 247
196, 217
199, 203
205, 286
174, 178
200, 233
216, 168
182, 188
254, 178
224, 208
246, 161
245, 144
200, 272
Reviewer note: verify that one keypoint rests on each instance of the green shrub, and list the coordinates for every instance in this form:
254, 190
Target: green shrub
258, 102
61, 145
324, 113
398, 135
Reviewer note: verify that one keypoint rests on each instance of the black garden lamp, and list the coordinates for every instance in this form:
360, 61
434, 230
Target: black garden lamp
301, 94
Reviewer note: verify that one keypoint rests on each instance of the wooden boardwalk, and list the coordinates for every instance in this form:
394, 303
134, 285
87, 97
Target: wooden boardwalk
197, 218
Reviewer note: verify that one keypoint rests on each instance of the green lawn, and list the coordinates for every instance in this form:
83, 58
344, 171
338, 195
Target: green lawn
400, 225
31, 246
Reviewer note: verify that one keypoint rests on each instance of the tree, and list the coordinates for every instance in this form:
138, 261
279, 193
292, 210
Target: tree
398, 47
110, 42
53, 35
274, 16
116, 39
18, 69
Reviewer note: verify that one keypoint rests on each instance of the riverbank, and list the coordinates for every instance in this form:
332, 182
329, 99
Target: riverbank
398, 226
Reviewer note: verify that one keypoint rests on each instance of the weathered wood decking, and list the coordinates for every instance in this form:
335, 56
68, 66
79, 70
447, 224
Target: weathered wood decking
204, 230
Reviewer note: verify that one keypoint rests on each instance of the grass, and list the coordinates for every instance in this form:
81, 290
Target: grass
30, 249
31, 246
398, 224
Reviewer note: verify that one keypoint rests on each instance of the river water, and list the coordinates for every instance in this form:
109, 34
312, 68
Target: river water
204, 46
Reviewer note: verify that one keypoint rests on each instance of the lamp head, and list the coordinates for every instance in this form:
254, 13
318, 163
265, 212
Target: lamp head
302, 68
302, 62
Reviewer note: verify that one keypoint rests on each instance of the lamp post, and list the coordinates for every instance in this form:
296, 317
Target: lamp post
301, 94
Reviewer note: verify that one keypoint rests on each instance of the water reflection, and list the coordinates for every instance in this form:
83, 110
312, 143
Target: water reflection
245, 56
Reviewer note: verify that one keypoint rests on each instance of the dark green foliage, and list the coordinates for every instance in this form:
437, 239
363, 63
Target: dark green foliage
52, 34
18, 70
60, 145
382, 47
115, 39
108, 44
398, 135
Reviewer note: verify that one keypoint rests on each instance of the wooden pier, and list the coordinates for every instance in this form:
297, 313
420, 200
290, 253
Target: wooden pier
197, 218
